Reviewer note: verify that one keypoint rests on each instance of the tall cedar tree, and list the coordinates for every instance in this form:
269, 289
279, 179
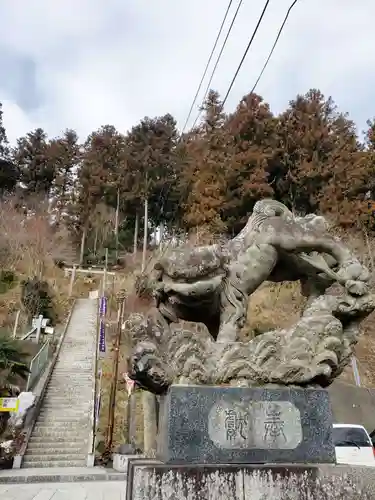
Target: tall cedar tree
151, 149
9, 173
253, 128
210, 152
65, 153
305, 145
101, 167
37, 169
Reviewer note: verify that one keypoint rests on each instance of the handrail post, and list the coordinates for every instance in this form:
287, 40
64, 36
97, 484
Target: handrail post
16, 323
39, 327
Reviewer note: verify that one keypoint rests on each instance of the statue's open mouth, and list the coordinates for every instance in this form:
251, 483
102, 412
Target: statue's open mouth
199, 289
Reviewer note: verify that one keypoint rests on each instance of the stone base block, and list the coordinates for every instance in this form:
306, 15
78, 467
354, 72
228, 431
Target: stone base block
149, 480
238, 425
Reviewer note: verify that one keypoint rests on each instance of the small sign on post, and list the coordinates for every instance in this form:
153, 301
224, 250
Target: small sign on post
45, 322
9, 404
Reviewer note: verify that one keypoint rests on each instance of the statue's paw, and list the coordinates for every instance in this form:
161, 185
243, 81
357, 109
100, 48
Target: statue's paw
354, 271
356, 287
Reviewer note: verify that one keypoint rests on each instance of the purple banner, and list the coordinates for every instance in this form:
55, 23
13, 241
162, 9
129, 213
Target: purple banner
103, 306
102, 337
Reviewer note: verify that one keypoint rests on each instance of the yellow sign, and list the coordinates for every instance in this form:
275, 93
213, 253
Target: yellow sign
9, 404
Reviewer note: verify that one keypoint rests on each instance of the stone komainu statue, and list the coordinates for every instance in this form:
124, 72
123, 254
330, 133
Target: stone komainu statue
212, 285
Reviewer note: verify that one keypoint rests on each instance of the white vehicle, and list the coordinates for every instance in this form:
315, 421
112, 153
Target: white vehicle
353, 445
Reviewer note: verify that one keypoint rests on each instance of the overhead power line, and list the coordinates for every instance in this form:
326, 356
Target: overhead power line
207, 65
273, 46
218, 60
246, 51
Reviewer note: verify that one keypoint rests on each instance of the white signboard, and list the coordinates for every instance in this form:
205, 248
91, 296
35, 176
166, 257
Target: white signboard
9, 404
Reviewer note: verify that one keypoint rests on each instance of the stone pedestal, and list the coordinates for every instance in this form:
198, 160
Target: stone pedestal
235, 425
149, 480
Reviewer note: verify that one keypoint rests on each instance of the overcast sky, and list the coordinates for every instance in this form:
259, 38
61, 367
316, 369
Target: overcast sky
86, 63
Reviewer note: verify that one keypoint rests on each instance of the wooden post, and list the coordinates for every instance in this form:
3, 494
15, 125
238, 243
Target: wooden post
145, 236
145, 227
117, 220
105, 272
72, 278
16, 323
136, 230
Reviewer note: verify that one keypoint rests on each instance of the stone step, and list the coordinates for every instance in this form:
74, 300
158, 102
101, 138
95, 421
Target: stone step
57, 463
62, 419
87, 371
41, 447
63, 404
66, 403
69, 412
78, 386
55, 457
66, 434
59, 440
71, 380
61, 426
57, 390
73, 370
58, 416
55, 451
55, 396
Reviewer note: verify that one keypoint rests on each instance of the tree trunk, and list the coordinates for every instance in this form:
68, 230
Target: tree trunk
83, 241
145, 235
161, 236
136, 231
117, 220
96, 241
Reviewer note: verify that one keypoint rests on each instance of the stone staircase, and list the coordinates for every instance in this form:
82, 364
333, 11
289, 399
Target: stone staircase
62, 431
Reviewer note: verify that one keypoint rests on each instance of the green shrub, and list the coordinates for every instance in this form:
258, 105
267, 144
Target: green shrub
7, 280
37, 299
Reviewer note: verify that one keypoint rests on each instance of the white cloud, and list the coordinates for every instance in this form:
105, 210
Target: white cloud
113, 62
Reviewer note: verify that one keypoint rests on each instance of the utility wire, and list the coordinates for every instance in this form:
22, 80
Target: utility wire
273, 46
199, 87
207, 65
246, 51
218, 60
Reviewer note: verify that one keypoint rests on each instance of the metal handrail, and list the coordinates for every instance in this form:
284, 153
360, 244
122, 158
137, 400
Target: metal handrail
17, 462
39, 361
29, 334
